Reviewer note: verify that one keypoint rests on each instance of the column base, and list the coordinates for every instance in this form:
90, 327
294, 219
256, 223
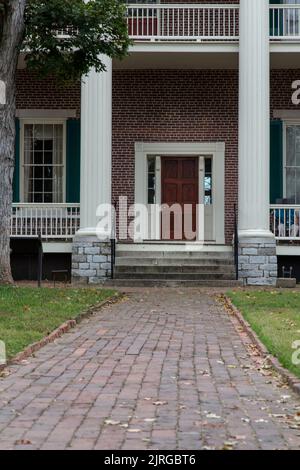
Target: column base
258, 261
91, 260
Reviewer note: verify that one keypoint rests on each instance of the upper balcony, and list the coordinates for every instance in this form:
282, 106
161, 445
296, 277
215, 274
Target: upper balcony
169, 35
204, 22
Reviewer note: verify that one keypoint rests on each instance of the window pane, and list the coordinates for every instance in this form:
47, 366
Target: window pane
43, 163
297, 145
208, 182
290, 146
151, 179
297, 186
290, 185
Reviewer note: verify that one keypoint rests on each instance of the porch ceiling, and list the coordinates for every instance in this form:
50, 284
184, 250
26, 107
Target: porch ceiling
202, 56
178, 60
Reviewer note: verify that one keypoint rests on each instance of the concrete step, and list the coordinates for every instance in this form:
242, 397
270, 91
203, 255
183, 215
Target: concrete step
204, 276
166, 261
172, 283
187, 269
174, 255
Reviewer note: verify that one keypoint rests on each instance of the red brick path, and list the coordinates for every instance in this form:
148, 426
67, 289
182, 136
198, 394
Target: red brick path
163, 369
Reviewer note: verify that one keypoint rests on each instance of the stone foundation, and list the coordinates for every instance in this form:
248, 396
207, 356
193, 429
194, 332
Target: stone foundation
258, 261
91, 260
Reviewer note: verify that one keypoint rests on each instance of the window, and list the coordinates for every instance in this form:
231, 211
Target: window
151, 180
208, 188
292, 164
43, 162
133, 12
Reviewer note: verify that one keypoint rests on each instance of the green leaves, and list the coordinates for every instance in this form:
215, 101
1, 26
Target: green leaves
67, 37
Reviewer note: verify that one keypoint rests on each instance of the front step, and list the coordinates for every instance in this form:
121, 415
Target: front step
164, 261
183, 268
172, 283
153, 266
174, 254
178, 276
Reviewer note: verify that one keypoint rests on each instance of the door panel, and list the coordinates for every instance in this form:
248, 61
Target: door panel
179, 187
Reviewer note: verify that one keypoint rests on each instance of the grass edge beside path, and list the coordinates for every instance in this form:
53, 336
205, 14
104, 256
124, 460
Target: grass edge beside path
274, 315
27, 315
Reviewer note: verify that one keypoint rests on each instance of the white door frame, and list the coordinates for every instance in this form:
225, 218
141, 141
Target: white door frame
158, 149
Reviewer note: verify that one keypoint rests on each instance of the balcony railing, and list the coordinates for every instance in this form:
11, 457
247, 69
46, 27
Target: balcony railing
51, 221
285, 22
284, 222
181, 22
196, 22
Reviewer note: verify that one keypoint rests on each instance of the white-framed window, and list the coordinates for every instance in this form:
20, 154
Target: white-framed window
43, 161
291, 166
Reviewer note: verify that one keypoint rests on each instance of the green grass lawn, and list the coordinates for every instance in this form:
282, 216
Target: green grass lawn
275, 317
28, 314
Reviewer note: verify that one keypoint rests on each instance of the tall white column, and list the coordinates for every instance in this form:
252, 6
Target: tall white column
254, 119
96, 145
257, 245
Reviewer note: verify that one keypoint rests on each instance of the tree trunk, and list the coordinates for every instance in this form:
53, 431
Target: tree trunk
12, 18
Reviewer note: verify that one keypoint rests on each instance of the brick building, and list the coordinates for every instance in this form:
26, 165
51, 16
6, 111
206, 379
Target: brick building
200, 113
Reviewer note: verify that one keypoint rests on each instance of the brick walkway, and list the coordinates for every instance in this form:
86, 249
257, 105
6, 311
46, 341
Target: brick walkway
164, 369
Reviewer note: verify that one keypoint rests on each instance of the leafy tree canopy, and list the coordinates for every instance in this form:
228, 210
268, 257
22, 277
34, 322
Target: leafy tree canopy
67, 37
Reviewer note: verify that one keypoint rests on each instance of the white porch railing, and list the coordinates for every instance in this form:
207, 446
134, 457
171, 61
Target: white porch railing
196, 22
51, 221
285, 22
284, 222
183, 22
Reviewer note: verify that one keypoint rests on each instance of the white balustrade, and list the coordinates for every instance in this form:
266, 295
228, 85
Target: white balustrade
51, 221
199, 22
285, 22
183, 22
285, 222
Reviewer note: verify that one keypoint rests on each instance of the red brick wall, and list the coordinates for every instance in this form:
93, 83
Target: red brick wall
36, 93
174, 106
281, 89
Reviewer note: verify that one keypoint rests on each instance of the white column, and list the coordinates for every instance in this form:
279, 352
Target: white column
254, 119
96, 145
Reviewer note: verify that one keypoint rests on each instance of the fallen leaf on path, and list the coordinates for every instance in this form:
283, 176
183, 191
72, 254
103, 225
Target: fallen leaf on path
23, 442
213, 416
111, 422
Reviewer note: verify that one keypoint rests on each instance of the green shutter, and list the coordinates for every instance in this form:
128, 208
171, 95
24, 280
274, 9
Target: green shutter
73, 161
16, 180
276, 162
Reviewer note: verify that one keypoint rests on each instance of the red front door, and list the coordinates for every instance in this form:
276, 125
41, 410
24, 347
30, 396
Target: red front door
179, 189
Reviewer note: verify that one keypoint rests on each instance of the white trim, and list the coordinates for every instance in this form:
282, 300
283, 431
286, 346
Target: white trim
46, 113
288, 250
286, 114
171, 247
23, 122
57, 247
216, 150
